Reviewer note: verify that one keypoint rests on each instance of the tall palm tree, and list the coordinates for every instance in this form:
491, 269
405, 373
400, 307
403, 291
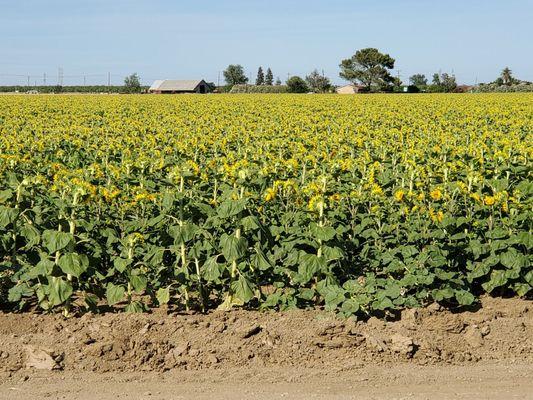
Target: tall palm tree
507, 76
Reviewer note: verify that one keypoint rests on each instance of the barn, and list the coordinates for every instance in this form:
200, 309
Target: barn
169, 86
350, 89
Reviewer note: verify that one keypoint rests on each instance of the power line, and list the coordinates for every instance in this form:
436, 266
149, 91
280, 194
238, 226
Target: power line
104, 79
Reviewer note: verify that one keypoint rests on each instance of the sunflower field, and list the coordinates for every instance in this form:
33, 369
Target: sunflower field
358, 204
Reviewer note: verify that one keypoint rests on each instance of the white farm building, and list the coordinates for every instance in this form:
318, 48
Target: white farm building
170, 86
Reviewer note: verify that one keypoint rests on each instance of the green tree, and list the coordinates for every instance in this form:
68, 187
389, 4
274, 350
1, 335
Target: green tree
269, 77
448, 82
317, 82
234, 75
397, 84
278, 81
507, 76
132, 84
295, 84
418, 80
368, 67
260, 80
443, 83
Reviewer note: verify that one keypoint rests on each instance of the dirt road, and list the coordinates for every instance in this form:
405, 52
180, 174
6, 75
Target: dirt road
505, 381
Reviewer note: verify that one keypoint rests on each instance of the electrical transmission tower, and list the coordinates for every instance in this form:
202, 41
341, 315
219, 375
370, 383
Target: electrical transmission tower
60, 76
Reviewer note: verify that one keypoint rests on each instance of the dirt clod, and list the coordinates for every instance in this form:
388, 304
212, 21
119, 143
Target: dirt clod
474, 337
180, 349
485, 330
403, 345
249, 331
376, 343
42, 359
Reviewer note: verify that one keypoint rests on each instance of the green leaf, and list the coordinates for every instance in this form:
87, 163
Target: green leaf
350, 306
5, 195
242, 289
479, 269
464, 297
332, 253
307, 294
60, 291
497, 279
511, 259
121, 264
31, 234
310, 264
8, 215
139, 283
163, 295
55, 241
383, 304
74, 264
408, 251
233, 247
323, 233
476, 248
43, 268
135, 307
521, 289
183, 233
529, 277
443, 294
16, 293
333, 295
229, 208
526, 239
392, 291
260, 261
211, 270
114, 294
497, 233
91, 301
250, 222
444, 275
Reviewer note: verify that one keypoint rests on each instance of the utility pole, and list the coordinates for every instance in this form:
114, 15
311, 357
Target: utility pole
44, 79
60, 76
109, 82
218, 82
28, 81
84, 80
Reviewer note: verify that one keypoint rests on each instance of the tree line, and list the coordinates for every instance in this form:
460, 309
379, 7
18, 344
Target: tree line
371, 71
367, 68
132, 84
234, 76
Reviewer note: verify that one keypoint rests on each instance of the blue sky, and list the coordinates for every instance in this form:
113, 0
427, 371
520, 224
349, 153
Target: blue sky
197, 38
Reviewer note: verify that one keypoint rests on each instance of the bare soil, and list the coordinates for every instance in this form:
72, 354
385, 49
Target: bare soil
428, 353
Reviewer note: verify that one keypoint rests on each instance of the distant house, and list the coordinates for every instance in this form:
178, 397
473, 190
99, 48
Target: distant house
464, 89
351, 89
169, 86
